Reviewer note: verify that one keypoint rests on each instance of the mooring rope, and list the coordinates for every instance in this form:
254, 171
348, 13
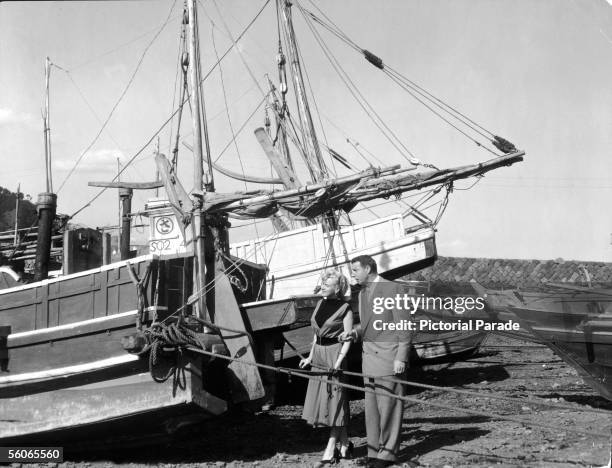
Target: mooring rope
462, 391
181, 338
306, 375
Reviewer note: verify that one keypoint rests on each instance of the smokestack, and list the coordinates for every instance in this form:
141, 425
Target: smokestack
45, 206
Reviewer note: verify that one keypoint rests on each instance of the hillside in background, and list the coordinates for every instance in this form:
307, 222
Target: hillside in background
453, 274
27, 211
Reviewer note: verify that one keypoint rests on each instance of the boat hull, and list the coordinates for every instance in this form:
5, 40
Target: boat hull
297, 258
64, 348
578, 328
576, 323
107, 398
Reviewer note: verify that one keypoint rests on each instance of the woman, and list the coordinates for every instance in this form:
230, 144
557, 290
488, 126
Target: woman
327, 404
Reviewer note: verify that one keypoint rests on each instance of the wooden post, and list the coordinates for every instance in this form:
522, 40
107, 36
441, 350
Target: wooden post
5, 331
16, 236
46, 205
125, 195
106, 248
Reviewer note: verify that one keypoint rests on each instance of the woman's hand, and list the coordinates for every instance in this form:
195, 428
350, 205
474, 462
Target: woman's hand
338, 363
305, 362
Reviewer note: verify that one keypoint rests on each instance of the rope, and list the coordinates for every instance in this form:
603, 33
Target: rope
465, 134
180, 337
140, 291
160, 336
120, 46
361, 100
177, 336
229, 120
240, 129
89, 106
182, 70
169, 119
316, 107
461, 391
307, 375
233, 280
444, 204
410, 86
123, 93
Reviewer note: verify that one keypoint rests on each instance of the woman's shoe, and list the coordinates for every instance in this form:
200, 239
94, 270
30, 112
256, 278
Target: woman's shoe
332, 461
349, 451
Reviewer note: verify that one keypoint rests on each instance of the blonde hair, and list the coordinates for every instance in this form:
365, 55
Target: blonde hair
342, 282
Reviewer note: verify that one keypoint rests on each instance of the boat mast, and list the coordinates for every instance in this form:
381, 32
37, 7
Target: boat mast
199, 184
47, 131
47, 201
316, 165
280, 109
315, 162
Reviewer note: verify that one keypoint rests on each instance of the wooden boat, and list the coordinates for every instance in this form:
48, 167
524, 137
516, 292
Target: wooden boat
576, 325
434, 346
65, 361
575, 322
105, 342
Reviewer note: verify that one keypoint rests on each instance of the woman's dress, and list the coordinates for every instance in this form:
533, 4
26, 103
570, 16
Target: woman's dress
327, 404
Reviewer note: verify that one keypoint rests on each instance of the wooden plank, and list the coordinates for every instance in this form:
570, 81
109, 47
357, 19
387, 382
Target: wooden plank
76, 329
245, 380
128, 185
78, 349
282, 168
20, 303
271, 315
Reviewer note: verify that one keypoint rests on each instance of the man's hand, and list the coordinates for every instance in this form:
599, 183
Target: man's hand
399, 367
347, 336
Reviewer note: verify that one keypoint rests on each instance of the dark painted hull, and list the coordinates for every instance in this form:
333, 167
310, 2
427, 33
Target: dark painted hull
578, 333
575, 323
65, 365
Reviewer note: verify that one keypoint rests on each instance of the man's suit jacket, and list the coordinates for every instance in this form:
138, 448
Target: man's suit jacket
382, 347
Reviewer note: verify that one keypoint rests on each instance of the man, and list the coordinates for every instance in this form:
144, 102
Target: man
385, 354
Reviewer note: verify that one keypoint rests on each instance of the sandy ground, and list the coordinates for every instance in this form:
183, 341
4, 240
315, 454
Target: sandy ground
432, 437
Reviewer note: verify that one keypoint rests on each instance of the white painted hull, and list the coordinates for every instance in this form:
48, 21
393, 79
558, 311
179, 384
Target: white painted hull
296, 258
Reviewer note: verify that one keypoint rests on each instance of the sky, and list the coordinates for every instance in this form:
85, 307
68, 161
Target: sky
538, 73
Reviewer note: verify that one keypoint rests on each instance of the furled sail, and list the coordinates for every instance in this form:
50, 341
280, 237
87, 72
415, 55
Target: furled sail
315, 199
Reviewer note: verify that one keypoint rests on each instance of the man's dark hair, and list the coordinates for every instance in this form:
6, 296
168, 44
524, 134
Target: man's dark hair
364, 261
